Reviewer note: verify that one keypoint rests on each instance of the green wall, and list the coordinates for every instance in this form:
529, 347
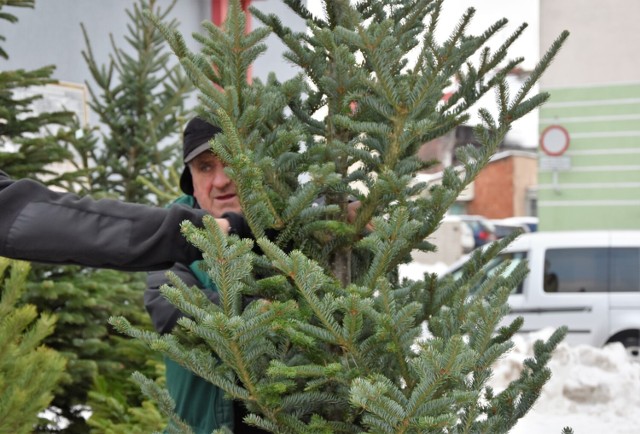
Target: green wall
601, 189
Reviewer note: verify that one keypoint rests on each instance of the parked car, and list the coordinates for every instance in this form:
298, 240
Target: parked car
483, 230
586, 280
530, 222
503, 227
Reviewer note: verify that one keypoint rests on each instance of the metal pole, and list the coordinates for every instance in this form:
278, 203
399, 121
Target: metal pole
556, 185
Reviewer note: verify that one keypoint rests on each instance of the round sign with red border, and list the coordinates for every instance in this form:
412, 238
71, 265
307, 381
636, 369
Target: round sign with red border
554, 140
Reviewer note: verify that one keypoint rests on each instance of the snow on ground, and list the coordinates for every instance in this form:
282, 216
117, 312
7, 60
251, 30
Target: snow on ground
592, 390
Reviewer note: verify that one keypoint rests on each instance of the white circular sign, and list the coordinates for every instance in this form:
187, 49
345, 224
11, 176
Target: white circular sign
554, 140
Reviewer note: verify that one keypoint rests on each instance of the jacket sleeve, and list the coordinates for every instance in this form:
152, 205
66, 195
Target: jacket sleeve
165, 315
41, 225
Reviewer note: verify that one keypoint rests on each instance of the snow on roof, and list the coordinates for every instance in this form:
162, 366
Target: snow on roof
513, 153
432, 177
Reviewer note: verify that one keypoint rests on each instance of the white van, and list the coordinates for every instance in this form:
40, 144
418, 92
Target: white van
586, 280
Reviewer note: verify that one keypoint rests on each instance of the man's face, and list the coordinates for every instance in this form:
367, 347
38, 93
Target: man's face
212, 188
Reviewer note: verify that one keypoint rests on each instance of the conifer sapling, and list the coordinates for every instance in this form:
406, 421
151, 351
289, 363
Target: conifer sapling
334, 340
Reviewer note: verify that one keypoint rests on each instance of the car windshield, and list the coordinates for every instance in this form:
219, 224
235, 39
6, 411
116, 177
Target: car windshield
504, 230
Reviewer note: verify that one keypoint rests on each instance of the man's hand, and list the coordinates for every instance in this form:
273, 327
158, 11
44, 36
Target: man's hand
224, 224
237, 225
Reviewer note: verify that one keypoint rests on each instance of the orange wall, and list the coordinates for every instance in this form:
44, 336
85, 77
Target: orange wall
493, 191
500, 190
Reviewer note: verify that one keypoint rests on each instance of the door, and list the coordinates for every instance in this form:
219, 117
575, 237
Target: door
568, 286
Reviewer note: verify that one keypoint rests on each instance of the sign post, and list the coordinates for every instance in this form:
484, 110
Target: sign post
554, 141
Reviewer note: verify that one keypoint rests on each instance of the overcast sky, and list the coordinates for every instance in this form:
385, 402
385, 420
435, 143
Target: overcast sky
525, 130
489, 11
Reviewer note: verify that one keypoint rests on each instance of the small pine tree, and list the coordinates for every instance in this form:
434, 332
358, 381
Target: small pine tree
139, 99
335, 342
29, 371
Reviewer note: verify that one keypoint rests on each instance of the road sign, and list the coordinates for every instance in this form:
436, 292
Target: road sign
554, 140
548, 164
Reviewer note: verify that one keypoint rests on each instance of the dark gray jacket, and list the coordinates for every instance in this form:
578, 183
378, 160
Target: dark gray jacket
38, 224
165, 315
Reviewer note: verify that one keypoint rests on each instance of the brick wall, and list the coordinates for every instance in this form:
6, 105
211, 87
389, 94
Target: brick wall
493, 190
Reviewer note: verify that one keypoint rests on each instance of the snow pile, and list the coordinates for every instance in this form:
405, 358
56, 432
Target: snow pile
415, 270
592, 390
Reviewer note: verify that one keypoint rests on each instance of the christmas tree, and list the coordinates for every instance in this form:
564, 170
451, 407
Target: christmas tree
333, 341
139, 97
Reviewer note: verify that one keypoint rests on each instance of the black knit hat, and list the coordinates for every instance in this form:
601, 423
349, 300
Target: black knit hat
195, 141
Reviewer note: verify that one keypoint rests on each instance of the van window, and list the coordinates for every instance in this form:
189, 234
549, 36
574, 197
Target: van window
625, 269
576, 270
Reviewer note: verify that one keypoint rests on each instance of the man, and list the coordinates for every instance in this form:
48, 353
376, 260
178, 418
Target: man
38, 224
205, 184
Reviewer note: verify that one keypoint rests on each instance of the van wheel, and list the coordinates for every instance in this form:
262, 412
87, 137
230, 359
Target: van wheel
632, 345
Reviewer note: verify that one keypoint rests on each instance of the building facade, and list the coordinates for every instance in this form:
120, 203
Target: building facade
594, 85
504, 188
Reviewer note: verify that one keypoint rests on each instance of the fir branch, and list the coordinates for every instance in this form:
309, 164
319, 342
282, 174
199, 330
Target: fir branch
394, 323
248, 178
539, 69
165, 403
